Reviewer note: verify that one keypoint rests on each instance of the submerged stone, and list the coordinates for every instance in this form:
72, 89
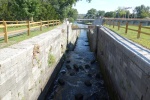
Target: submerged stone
98, 76
68, 67
87, 66
76, 67
61, 81
80, 67
93, 61
88, 83
89, 75
63, 71
102, 95
72, 73
68, 61
79, 96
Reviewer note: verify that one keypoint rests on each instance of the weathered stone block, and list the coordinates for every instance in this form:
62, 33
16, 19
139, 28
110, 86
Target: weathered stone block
127, 64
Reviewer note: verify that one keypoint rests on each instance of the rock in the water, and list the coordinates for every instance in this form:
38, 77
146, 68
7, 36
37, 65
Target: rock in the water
99, 96
90, 75
87, 66
79, 96
76, 67
63, 71
68, 67
61, 81
93, 61
68, 61
72, 73
98, 75
80, 67
52, 96
88, 83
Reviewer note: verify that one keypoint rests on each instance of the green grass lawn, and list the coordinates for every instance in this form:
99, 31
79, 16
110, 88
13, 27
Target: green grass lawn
16, 39
9, 29
144, 40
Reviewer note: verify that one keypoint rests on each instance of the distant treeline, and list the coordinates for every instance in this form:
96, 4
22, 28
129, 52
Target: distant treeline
37, 9
122, 12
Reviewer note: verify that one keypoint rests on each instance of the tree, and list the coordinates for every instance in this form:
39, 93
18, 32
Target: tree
110, 14
142, 11
100, 13
37, 9
47, 12
26, 9
121, 12
72, 14
91, 13
6, 10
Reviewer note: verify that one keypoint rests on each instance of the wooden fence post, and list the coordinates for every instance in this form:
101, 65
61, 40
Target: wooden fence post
16, 22
5, 31
139, 30
109, 22
58, 22
48, 23
113, 24
53, 23
126, 28
118, 25
28, 26
41, 25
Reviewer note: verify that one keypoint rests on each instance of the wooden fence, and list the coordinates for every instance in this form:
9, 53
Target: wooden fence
29, 25
126, 27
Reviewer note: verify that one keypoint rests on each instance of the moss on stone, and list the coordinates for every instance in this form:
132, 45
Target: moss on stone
51, 59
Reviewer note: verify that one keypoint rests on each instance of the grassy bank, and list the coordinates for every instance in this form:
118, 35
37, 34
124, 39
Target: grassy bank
18, 38
144, 40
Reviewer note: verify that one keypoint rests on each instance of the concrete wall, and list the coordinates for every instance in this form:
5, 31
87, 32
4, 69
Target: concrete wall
24, 68
124, 64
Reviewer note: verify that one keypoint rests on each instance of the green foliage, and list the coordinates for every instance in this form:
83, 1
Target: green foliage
47, 12
37, 9
110, 14
120, 12
91, 13
6, 10
142, 11
71, 19
100, 13
139, 11
72, 14
51, 59
25, 9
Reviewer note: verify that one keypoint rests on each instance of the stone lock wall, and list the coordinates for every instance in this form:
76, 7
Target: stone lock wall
24, 67
124, 64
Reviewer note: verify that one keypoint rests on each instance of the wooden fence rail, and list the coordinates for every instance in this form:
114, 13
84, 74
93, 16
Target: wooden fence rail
30, 25
126, 27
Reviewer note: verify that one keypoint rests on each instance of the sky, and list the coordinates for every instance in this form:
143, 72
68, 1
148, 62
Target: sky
108, 5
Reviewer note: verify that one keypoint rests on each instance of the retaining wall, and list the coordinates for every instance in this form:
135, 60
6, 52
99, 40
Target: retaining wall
124, 64
24, 67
